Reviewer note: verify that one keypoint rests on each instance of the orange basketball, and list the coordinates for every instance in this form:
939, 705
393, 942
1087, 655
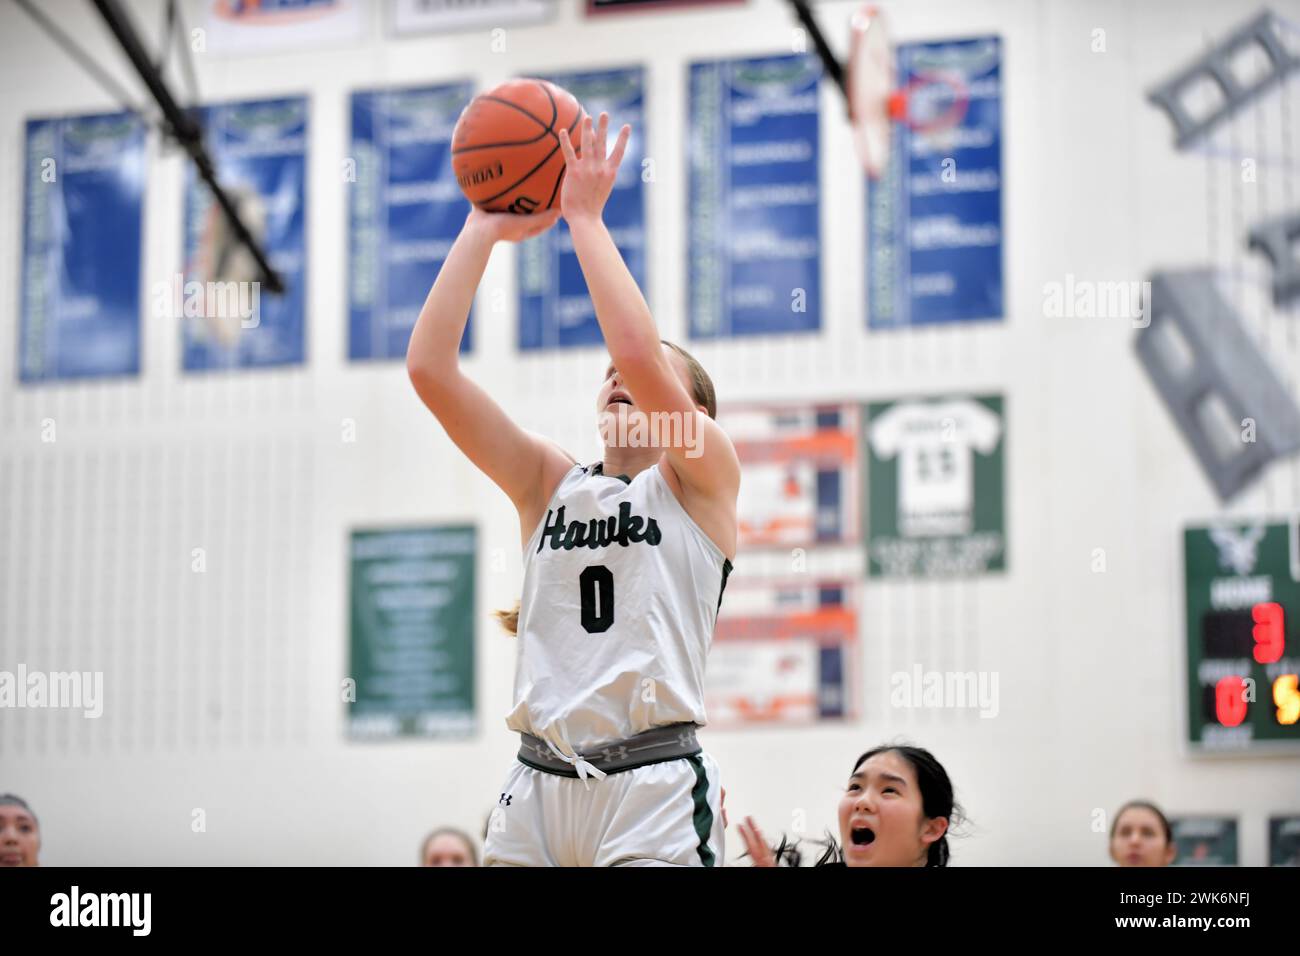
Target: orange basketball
505, 149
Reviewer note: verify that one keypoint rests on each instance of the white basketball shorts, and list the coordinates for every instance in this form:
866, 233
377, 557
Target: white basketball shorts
661, 814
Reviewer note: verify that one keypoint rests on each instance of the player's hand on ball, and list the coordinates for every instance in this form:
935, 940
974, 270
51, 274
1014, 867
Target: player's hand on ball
589, 178
760, 853
509, 227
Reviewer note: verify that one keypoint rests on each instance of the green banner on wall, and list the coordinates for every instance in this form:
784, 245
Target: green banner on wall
934, 486
1284, 841
1205, 841
412, 635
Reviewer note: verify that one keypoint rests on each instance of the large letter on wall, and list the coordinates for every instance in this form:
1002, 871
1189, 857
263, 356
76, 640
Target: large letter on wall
1212, 378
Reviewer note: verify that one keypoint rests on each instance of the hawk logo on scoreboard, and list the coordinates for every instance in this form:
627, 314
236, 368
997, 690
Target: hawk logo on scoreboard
1238, 550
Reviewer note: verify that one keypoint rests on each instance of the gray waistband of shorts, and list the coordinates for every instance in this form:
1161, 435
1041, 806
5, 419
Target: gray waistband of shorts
654, 746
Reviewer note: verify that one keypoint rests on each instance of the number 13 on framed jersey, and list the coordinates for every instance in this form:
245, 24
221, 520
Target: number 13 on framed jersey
934, 486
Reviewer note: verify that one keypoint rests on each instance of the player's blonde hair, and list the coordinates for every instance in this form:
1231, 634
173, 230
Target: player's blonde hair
703, 393
509, 620
701, 385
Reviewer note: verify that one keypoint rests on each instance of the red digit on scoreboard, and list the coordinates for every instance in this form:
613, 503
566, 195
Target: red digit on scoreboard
1230, 701
1269, 632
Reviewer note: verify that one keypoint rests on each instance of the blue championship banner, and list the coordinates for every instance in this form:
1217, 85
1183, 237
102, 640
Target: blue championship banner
79, 316
259, 150
555, 309
754, 258
934, 220
404, 211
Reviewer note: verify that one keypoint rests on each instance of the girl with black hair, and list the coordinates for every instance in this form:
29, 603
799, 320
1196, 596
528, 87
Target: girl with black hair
1140, 835
896, 811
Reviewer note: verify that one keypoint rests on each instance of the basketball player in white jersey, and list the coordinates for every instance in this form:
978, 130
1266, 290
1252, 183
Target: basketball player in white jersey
625, 561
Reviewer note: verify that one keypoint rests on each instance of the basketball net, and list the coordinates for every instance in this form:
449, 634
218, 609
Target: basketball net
932, 104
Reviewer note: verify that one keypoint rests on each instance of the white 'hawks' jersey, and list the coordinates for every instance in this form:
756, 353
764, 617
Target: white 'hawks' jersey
621, 593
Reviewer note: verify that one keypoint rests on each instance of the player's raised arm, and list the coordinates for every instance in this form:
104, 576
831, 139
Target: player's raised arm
516, 460
705, 460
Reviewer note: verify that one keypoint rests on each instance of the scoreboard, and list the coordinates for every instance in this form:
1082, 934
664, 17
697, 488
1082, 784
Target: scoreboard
1243, 636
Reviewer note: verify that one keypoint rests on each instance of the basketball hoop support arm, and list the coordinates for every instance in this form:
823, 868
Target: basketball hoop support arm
833, 67
186, 131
